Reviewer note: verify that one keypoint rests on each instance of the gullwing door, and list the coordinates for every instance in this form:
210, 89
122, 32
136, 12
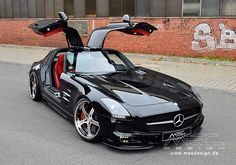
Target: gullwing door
49, 27
98, 36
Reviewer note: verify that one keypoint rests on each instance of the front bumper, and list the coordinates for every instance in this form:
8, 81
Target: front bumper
137, 140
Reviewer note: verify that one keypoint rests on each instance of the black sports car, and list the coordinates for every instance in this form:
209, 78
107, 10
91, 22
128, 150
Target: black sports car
109, 98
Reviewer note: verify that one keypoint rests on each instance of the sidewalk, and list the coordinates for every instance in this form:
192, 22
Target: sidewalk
197, 72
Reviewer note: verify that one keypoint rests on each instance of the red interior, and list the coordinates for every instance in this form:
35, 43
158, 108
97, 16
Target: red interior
48, 34
141, 31
58, 69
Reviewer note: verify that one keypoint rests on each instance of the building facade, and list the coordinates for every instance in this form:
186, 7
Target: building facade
185, 27
116, 8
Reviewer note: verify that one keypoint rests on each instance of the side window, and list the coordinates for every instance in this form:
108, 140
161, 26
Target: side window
116, 61
70, 62
115, 58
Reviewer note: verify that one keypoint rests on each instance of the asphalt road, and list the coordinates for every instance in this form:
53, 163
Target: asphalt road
32, 133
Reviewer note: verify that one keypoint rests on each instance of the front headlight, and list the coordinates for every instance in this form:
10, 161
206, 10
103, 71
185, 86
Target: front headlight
197, 94
116, 109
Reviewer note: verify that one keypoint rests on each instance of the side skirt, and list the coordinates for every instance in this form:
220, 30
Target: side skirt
56, 107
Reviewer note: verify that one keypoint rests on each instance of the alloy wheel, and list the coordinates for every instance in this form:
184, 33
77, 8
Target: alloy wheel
33, 86
85, 120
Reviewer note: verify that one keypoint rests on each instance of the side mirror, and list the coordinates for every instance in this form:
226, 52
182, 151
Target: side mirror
126, 18
63, 16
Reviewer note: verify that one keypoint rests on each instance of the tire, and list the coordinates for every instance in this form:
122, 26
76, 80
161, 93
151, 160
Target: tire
86, 122
34, 88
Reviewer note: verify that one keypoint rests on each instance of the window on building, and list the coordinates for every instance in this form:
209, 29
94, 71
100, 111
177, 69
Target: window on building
118, 8
210, 8
158, 8
142, 8
69, 7
166, 8
228, 8
90, 7
128, 7
115, 8
191, 8
173, 8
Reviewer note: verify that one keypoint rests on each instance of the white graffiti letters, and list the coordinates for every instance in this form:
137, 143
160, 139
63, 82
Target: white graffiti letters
228, 38
204, 40
203, 33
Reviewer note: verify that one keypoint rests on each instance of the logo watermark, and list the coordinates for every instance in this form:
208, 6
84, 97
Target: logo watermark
204, 144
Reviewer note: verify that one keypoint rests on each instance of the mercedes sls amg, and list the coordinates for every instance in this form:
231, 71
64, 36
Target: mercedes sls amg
108, 98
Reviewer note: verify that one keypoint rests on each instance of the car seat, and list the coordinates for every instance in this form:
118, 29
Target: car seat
58, 69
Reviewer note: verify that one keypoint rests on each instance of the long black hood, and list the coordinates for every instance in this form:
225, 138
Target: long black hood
141, 87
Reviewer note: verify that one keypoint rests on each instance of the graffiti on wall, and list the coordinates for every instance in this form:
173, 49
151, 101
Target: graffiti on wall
205, 41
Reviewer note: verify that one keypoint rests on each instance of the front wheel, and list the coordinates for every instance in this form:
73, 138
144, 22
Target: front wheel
86, 122
34, 88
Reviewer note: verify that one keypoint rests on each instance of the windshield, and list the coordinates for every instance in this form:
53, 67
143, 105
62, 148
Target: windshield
101, 62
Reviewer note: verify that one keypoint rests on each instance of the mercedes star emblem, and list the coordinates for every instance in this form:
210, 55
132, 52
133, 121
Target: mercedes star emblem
178, 120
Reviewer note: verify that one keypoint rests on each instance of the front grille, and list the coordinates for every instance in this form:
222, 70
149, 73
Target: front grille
164, 122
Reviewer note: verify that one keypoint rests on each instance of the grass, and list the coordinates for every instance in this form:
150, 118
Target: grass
211, 58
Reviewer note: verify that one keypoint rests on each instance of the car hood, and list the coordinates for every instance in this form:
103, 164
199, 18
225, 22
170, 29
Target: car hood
141, 87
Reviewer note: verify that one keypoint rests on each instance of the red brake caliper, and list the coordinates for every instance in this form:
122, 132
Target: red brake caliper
82, 117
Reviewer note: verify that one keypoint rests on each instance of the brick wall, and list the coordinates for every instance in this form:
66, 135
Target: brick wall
176, 36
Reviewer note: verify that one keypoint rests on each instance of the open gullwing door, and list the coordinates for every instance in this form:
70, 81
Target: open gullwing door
49, 27
98, 36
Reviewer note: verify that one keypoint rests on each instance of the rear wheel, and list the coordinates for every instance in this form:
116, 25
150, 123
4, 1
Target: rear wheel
34, 88
86, 122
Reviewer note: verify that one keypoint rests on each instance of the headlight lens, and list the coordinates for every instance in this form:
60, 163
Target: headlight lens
116, 109
197, 94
